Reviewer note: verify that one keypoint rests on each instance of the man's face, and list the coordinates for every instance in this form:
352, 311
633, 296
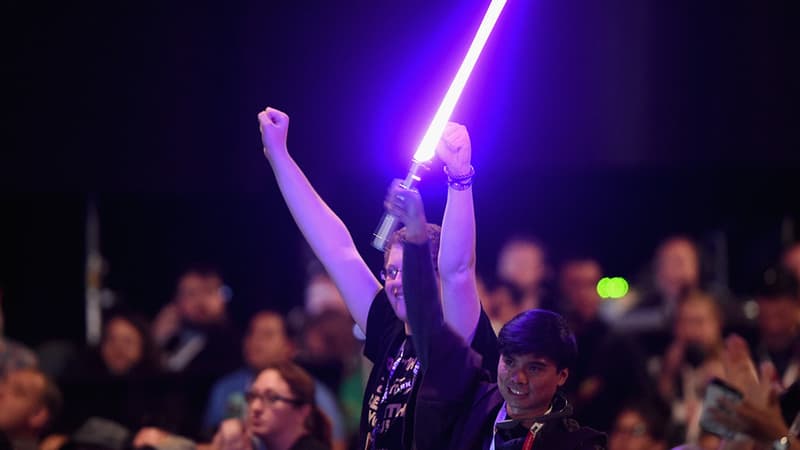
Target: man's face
698, 323
266, 418
122, 346
630, 433
528, 383
677, 267
200, 299
266, 341
20, 400
393, 282
579, 287
522, 264
778, 322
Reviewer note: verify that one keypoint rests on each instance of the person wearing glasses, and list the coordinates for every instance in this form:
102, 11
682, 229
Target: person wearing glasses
456, 408
380, 310
281, 414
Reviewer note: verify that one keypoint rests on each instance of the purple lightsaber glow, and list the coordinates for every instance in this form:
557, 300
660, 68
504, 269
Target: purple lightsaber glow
427, 147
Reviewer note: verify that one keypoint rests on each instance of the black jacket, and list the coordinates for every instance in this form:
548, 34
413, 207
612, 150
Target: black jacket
457, 405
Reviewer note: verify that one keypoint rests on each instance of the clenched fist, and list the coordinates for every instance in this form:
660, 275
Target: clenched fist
274, 126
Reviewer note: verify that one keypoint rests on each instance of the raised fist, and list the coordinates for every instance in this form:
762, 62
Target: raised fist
455, 150
274, 126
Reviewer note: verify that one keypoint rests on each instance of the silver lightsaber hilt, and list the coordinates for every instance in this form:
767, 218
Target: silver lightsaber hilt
389, 222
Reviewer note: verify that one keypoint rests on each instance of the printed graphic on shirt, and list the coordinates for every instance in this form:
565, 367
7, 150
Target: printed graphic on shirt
387, 408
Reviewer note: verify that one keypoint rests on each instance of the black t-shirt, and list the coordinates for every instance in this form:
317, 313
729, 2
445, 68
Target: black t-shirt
385, 338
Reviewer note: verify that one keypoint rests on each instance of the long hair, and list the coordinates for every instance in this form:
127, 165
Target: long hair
303, 388
151, 357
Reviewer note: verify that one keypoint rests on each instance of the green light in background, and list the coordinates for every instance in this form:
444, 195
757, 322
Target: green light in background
616, 287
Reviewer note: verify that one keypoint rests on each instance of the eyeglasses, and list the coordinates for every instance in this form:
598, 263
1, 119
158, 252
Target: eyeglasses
390, 273
269, 398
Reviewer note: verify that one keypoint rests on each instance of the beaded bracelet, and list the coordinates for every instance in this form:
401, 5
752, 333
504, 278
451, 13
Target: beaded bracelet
462, 182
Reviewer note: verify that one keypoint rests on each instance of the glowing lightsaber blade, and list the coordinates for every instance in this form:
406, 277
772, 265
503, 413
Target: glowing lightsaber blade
427, 147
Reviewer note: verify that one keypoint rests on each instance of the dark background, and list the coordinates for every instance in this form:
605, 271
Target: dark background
600, 127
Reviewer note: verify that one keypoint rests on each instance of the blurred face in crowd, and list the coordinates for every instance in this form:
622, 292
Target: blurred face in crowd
778, 322
677, 267
528, 383
122, 347
273, 412
791, 260
21, 408
522, 264
579, 287
322, 295
630, 433
200, 299
267, 341
698, 322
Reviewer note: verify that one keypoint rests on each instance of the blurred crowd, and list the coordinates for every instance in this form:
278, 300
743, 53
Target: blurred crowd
174, 380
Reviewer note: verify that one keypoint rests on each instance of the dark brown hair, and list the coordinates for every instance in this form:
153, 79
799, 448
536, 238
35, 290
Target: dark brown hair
303, 388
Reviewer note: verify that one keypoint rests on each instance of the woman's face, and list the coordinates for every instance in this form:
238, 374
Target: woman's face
123, 346
271, 412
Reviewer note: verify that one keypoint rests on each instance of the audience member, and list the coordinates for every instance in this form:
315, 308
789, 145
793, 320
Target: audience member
281, 414
194, 329
692, 359
521, 273
29, 403
676, 272
779, 327
268, 342
790, 260
380, 311
609, 369
639, 427
119, 380
466, 411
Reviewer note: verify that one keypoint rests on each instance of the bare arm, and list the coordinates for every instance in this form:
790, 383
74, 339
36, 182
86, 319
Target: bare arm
457, 247
324, 231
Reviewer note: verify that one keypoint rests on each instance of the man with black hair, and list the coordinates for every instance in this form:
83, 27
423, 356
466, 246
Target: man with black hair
457, 407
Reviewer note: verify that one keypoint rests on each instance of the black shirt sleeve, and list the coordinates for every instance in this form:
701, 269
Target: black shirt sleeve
383, 327
485, 344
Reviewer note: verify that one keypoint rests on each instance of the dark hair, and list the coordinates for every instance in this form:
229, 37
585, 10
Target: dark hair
288, 331
151, 356
539, 332
303, 388
779, 284
399, 236
203, 270
654, 416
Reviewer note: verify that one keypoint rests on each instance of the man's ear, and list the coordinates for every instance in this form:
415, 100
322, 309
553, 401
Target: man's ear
563, 374
38, 420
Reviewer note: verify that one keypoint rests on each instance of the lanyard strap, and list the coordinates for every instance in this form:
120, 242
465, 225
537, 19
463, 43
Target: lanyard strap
528, 445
